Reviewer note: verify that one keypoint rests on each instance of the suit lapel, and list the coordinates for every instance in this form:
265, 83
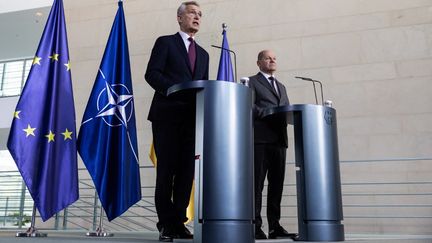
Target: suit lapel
199, 60
266, 83
279, 89
183, 51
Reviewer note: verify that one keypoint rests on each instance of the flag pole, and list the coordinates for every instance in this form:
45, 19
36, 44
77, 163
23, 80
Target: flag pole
224, 27
32, 231
100, 231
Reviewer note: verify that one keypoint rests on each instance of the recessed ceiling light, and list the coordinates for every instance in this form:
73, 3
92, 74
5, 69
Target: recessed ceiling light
39, 14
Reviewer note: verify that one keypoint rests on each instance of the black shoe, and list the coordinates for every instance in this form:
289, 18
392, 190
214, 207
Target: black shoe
259, 234
280, 232
183, 232
167, 233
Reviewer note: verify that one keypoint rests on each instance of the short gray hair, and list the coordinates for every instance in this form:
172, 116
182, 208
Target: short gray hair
183, 6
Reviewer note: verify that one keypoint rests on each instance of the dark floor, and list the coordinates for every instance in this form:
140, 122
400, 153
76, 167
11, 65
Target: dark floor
148, 237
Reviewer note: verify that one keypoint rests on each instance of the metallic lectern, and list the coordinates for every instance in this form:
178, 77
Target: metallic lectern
224, 201
319, 199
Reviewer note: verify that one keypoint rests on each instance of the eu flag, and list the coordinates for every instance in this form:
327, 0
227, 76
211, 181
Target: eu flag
225, 71
107, 140
42, 137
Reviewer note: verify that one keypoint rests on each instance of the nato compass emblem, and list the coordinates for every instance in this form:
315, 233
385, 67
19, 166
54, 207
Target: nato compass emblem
115, 107
115, 101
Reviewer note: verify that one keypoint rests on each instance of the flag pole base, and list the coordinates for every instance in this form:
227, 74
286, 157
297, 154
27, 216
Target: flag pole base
99, 233
31, 232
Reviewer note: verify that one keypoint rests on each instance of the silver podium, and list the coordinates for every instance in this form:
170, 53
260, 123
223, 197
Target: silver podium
224, 197
319, 197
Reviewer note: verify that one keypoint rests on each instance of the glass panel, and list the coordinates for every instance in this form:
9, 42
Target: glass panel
1, 79
7, 162
28, 65
12, 78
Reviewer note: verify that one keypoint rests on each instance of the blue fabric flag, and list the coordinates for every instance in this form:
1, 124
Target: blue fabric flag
107, 140
225, 71
42, 139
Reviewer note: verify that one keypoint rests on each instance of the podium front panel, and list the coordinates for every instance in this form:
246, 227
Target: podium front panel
319, 197
227, 152
224, 193
321, 164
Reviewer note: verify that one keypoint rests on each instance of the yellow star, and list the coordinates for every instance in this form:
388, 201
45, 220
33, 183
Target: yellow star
54, 57
67, 134
29, 130
68, 66
16, 114
36, 60
50, 136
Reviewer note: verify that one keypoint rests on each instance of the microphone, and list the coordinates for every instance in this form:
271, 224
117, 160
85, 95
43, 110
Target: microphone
313, 82
235, 59
244, 81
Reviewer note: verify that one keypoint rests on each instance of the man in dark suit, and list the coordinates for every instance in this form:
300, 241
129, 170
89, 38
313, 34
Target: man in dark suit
175, 59
270, 144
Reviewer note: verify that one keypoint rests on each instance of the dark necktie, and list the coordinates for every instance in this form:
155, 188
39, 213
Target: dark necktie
192, 53
273, 82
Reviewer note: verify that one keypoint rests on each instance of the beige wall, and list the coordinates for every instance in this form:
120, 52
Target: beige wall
374, 58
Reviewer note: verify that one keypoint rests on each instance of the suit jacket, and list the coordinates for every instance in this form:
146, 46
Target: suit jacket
268, 130
169, 65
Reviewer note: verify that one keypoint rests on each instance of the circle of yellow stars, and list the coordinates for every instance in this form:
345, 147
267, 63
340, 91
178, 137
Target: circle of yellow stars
54, 57
30, 131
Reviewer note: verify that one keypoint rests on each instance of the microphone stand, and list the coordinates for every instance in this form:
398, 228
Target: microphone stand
322, 93
235, 59
316, 98
313, 82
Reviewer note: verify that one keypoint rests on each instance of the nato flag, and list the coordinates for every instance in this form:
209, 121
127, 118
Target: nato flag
42, 137
225, 71
107, 140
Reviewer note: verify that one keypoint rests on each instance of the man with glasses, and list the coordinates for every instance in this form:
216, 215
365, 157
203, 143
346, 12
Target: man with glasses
175, 59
